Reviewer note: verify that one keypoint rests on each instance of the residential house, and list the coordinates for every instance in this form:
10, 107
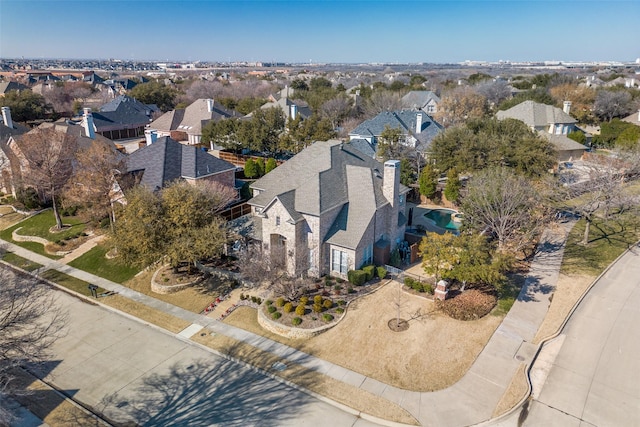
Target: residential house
123, 117
186, 124
166, 160
291, 109
8, 129
329, 209
633, 118
418, 130
16, 165
9, 86
424, 100
550, 122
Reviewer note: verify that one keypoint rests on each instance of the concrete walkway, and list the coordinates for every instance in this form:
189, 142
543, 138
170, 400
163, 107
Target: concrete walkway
470, 401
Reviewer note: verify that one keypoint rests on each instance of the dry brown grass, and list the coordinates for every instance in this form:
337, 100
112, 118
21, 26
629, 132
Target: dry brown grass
10, 218
311, 380
568, 290
514, 392
49, 406
146, 313
194, 299
363, 342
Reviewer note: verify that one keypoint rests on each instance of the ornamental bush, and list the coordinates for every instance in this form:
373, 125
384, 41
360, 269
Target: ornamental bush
357, 277
296, 321
327, 304
300, 310
327, 317
280, 302
268, 302
339, 310
317, 308
288, 307
276, 315
304, 300
272, 309
317, 299
381, 272
370, 271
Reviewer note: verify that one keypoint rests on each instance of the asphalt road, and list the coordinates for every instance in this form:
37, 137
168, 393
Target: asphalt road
131, 371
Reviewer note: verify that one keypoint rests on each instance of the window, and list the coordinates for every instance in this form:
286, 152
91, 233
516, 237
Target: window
339, 261
367, 255
277, 220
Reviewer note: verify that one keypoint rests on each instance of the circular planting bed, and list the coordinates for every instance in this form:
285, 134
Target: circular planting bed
398, 325
167, 281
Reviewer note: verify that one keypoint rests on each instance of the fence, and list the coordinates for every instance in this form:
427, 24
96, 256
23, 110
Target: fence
236, 211
400, 274
239, 160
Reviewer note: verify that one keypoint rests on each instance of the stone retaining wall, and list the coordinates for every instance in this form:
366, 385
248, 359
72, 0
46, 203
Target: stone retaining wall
168, 289
292, 332
44, 242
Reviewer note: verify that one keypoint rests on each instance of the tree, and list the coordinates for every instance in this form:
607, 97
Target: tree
93, 184
494, 92
155, 92
26, 105
380, 101
336, 109
488, 142
428, 181
539, 95
617, 133
222, 133
30, 322
250, 169
610, 104
389, 146
439, 254
270, 165
262, 132
49, 155
581, 97
452, 188
506, 206
460, 105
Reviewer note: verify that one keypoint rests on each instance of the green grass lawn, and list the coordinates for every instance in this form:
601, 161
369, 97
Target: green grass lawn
39, 225
18, 261
607, 240
95, 262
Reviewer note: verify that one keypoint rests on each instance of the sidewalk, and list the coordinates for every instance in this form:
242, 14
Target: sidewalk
478, 392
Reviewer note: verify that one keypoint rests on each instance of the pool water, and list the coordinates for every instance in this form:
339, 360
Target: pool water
443, 218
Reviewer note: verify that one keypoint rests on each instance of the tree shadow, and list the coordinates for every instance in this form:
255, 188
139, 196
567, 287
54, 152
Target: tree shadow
533, 286
200, 393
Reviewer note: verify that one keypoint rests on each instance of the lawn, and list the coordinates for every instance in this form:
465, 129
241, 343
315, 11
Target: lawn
20, 262
69, 282
95, 262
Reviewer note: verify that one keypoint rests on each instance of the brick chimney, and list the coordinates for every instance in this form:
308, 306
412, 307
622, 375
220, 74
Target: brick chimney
391, 181
6, 117
87, 123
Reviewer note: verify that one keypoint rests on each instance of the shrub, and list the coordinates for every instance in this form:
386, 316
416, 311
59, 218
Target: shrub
339, 310
357, 277
268, 302
288, 307
296, 321
469, 305
328, 280
317, 308
272, 309
105, 222
300, 310
351, 290
258, 300
340, 280
337, 287
304, 300
408, 282
317, 299
381, 272
280, 302
327, 304
70, 211
327, 317
370, 271
341, 302
428, 288
254, 299
276, 315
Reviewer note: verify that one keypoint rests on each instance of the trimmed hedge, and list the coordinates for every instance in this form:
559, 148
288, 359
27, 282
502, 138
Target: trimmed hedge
357, 277
370, 270
381, 272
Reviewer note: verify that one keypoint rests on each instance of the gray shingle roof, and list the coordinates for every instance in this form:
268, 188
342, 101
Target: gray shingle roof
121, 113
405, 120
193, 118
419, 99
363, 146
167, 160
562, 143
285, 105
536, 115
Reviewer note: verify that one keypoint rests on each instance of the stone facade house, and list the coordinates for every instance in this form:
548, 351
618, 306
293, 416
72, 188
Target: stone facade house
424, 100
329, 209
550, 122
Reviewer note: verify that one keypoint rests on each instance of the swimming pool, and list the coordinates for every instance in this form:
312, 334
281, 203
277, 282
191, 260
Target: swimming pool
443, 218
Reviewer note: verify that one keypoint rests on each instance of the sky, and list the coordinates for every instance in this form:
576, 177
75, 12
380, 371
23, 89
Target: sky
326, 31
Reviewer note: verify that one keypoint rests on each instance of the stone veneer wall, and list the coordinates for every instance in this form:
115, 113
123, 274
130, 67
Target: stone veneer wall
289, 331
168, 289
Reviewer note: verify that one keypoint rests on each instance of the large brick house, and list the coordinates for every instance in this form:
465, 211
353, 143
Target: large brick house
329, 209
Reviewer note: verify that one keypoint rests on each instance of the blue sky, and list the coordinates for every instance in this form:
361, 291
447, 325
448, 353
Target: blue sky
322, 31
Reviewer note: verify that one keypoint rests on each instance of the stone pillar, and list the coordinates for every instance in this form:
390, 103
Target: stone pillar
441, 290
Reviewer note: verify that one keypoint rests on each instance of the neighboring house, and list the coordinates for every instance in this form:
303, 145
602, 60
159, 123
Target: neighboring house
550, 122
9, 86
329, 209
123, 117
424, 100
418, 130
17, 167
186, 124
166, 160
290, 108
8, 129
633, 118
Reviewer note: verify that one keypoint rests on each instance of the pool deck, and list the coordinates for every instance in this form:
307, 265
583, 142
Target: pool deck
419, 218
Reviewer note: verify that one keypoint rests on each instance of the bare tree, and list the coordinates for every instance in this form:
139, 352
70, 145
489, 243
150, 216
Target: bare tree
612, 104
380, 101
460, 105
494, 91
30, 322
336, 109
49, 155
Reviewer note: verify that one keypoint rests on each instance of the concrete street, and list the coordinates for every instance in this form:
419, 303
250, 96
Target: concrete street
131, 371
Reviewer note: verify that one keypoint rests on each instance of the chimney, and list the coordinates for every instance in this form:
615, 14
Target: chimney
293, 111
391, 181
6, 117
210, 105
150, 136
418, 123
566, 106
89, 128
357, 92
